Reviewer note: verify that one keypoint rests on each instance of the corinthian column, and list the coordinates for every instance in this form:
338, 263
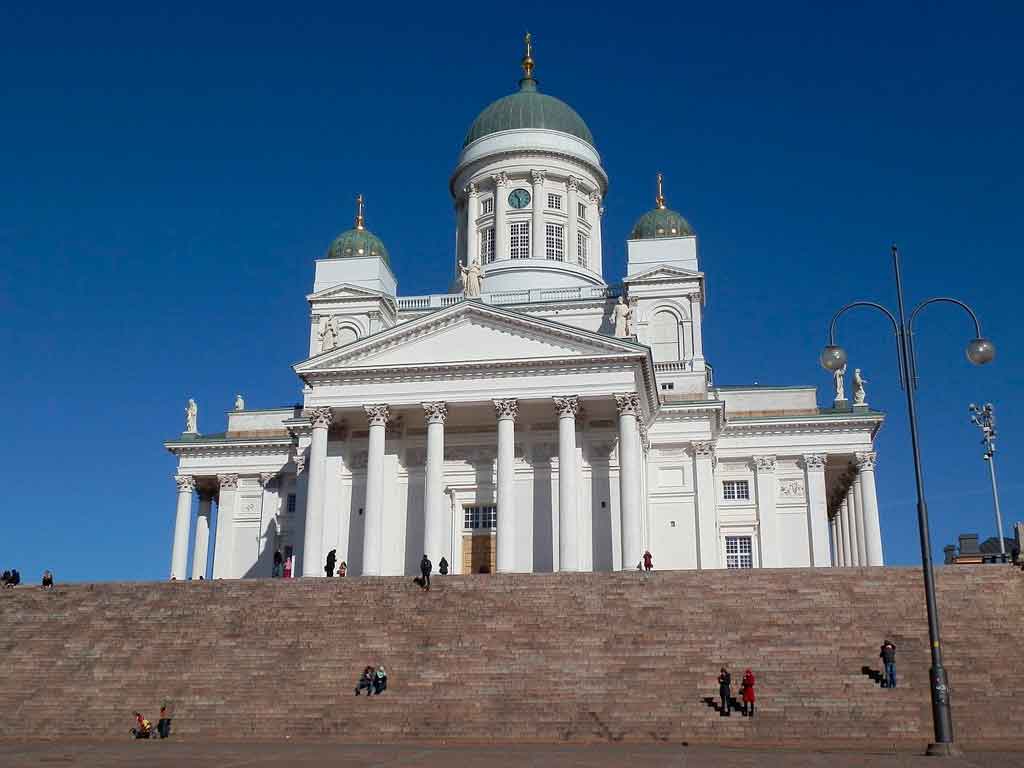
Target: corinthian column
707, 520
434, 505
869, 503
860, 541
817, 509
202, 543
182, 522
500, 201
537, 178
312, 550
506, 411
568, 506
628, 405
472, 236
767, 515
373, 530
596, 256
847, 531
572, 186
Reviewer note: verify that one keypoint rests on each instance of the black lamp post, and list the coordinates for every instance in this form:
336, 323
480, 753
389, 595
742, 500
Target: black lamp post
979, 351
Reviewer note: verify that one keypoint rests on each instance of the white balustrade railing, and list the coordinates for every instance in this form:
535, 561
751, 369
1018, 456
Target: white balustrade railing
526, 296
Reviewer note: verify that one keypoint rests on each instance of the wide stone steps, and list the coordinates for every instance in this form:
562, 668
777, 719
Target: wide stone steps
509, 657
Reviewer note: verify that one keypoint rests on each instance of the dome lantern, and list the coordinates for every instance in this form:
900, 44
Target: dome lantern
660, 221
358, 242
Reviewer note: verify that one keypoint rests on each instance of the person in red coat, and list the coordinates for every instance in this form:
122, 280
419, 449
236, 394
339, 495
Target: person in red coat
747, 689
648, 564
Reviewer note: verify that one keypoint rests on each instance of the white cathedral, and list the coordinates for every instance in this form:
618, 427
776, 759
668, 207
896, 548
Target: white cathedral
532, 419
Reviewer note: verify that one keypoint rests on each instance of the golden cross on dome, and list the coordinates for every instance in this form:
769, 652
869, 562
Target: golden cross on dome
528, 58
660, 199
360, 222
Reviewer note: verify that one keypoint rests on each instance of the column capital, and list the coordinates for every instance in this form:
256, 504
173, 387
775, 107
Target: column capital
538, 177
377, 414
815, 462
703, 449
266, 478
627, 403
320, 418
435, 413
572, 184
764, 463
567, 406
500, 179
185, 483
227, 481
506, 409
645, 440
595, 197
472, 189
866, 460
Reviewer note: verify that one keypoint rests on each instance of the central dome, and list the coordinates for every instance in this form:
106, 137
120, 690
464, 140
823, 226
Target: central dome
528, 108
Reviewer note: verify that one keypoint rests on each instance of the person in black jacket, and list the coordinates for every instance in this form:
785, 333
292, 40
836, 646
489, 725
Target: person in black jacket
425, 568
442, 567
887, 654
725, 689
332, 558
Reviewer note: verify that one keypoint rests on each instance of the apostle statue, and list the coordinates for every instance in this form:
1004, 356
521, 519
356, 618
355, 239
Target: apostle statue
858, 387
839, 376
191, 417
471, 280
328, 336
239, 403
622, 318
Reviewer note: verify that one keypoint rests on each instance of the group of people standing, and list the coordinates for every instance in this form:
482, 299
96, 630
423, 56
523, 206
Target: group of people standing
746, 692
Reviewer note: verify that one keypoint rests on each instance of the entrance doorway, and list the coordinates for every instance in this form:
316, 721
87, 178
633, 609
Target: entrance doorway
479, 550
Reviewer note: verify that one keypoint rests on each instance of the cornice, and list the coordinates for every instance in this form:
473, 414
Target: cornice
596, 170
230, 448
812, 425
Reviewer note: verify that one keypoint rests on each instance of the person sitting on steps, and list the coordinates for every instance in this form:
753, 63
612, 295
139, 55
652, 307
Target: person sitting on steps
143, 728
380, 680
366, 681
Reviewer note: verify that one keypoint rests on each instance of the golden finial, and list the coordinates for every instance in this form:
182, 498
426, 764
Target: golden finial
528, 58
660, 199
360, 222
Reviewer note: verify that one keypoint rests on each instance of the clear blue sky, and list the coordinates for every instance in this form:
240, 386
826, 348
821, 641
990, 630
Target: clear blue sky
167, 179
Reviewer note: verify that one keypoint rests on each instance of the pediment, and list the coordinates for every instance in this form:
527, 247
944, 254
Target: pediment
661, 273
469, 332
346, 291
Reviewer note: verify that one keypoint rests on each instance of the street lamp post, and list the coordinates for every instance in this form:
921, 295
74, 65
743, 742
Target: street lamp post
979, 351
984, 418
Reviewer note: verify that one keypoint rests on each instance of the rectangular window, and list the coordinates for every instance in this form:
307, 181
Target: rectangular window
734, 490
291, 504
739, 552
486, 206
487, 245
554, 202
582, 248
554, 242
519, 240
668, 387
484, 517
581, 211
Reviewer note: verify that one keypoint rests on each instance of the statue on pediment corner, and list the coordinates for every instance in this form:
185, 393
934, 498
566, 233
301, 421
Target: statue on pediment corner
191, 417
621, 317
472, 280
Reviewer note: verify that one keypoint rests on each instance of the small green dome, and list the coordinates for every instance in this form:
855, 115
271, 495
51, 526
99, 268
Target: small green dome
356, 243
528, 109
660, 222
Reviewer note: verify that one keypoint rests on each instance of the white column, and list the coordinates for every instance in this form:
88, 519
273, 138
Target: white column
628, 405
869, 504
472, 212
698, 334
595, 233
707, 500
537, 242
767, 516
846, 531
506, 411
858, 521
224, 546
373, 530
434, 503
833, 533
200, 549
500, 228
182, 523
572, 186
313, 541
568, 501
817, 510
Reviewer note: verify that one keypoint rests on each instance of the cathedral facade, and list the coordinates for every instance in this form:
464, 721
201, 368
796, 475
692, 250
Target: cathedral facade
532, 417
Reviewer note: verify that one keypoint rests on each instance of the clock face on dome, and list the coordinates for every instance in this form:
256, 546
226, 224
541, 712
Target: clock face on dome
519, 198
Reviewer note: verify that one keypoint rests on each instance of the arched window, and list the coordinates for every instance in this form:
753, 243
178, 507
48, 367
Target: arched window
346, 335
665, 337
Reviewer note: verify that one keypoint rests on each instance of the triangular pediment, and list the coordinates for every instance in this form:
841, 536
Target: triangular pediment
661, 273
469, 332
346, 291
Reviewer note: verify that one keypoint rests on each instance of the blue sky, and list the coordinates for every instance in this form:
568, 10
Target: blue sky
168, 177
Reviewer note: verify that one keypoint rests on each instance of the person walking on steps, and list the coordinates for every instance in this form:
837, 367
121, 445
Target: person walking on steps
888, 656
278, 566
648, 561
332, 558
425, 568
442, 567
747, 691
725, 690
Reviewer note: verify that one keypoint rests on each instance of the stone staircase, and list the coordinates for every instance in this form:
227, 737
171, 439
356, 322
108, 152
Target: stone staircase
517, 657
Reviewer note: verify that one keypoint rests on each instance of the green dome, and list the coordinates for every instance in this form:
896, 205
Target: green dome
356, 243
660, 222
528, 109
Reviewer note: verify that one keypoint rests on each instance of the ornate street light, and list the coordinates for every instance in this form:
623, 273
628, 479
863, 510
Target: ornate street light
984, 418
979, 351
